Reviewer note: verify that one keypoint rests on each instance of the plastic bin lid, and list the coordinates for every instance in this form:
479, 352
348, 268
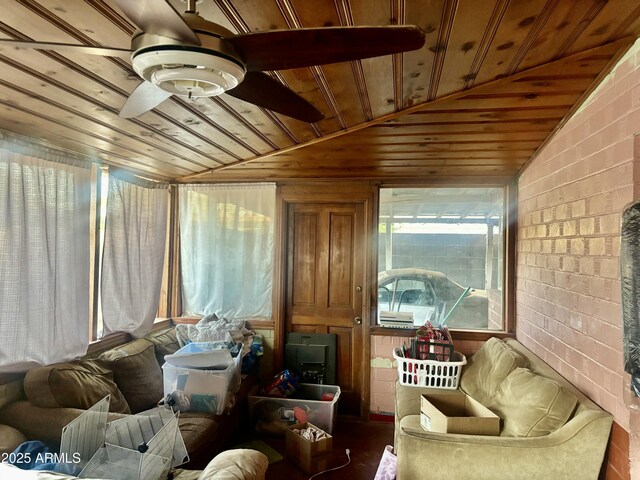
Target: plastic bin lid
213, 359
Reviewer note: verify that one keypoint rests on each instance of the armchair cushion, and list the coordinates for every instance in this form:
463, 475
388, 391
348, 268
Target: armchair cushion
531, 405
137, 373
487, 369
74, 385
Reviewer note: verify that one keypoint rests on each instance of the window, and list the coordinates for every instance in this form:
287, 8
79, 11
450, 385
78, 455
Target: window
441, 257
136, 203
226, 245
53, 210
44, 255
99, 207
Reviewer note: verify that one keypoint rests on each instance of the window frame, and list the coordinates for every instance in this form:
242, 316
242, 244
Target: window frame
510, 196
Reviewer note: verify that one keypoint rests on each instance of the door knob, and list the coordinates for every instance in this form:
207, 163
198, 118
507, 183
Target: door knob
358, 320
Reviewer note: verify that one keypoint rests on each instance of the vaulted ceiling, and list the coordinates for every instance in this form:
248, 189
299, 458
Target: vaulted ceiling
493, 81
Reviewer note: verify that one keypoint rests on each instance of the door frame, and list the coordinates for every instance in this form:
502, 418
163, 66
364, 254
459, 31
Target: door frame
334, 192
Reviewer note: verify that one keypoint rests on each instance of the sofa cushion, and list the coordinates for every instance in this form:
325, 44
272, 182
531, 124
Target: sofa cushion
41, 423
197, 432
487, 369
137, 373
164, 341
10, 438
75, 385
532, 405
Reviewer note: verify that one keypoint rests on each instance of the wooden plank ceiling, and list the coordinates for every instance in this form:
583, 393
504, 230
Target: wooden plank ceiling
492, 82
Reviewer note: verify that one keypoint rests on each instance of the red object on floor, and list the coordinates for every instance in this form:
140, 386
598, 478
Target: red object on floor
300, 415
380, 417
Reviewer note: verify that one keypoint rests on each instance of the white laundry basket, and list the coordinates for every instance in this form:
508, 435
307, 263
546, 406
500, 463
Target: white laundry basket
429, 373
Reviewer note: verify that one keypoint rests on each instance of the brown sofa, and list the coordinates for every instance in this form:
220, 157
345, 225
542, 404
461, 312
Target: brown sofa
50, 397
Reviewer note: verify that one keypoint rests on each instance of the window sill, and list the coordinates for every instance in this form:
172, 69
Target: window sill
108, 342
479, 335
260, 324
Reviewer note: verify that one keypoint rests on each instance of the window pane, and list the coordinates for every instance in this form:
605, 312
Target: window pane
440, 256
104, 188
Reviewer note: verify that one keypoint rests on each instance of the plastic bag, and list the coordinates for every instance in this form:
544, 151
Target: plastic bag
283, 384
630, 276
387, 467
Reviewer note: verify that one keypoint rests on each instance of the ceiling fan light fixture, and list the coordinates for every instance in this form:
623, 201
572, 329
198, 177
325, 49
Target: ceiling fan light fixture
193, 82
191, 73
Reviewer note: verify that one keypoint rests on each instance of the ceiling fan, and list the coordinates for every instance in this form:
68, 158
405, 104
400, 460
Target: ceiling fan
187, 55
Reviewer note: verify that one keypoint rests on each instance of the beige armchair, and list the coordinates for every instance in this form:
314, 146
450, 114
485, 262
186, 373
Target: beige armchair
571, 444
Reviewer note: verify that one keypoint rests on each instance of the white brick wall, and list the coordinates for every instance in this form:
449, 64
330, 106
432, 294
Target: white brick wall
384, 373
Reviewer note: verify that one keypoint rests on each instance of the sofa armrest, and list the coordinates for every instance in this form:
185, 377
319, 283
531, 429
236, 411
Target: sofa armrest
44, 424
407, 402
235, 464
576, 450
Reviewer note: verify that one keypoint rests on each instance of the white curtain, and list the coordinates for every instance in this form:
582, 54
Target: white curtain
44, 256
226, 249
134, 247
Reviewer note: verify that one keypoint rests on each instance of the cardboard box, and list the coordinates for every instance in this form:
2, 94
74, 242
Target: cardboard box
456, 412
312, 457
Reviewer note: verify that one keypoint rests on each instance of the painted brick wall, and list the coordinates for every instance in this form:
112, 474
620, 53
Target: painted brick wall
568, 245
384, 373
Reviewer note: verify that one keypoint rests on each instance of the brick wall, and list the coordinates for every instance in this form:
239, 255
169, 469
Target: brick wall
461, 257
495, 309
384, 373
568, 244
616, 464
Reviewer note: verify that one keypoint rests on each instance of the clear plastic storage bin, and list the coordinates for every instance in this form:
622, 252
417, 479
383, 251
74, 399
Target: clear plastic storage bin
275, 415
207, 389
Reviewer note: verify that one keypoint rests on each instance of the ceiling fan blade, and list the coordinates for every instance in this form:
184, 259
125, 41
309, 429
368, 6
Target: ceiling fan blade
159, 17
262, 90
304, 47
145, 97
68, 48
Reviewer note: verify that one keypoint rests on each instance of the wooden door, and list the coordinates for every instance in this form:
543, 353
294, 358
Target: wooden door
325, 275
